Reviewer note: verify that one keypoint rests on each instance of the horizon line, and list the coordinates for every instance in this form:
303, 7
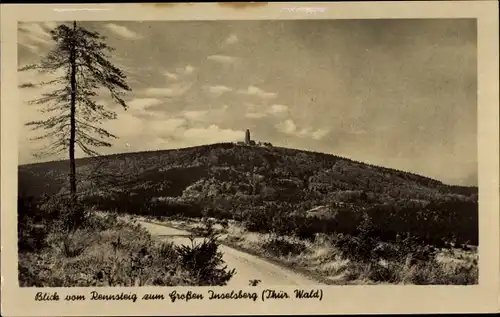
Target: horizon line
244, 145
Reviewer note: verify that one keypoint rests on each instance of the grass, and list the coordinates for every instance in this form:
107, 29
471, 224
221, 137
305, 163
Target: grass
323, 257
109, 251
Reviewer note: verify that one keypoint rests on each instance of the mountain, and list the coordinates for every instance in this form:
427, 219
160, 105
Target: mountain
238, 181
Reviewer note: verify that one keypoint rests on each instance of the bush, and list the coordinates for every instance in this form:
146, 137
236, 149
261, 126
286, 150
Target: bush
217, 213
31, 237
308, 227
365, 246
167, 250
207, 228
71, 244
101, 223
31, 233
358, 247
64, 212
280, 247
257, 220
204, 262
355, 248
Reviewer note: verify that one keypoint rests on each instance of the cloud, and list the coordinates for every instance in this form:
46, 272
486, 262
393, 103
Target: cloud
277, 109
265, 111
212, 115
251, 106
174, 133
189, 69
218, 89
50, 25
175, 90
224, 59
171, 75
32, 80
143, 103
232, 39
146, 134
34, 36
33, 48
256, 91
319, 134
31, 112
37, 32
195, 115
166, 126
256, 115
179, 72
289, 127
211, 134
122, 31
126, 126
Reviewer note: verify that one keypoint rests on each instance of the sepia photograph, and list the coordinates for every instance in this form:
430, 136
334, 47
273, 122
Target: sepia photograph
257, 158
248, 152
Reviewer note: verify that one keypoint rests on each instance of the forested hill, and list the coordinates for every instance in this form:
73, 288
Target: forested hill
237, 168
312, 192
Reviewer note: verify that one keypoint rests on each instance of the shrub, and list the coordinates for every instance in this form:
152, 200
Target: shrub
166, 250
367, 247
306, 226
207, 228
204, 262
64, 212
101, 223
31, 237
224, 223
217, 213
73, 243
355, 248
358, 247
257, 220
280, 247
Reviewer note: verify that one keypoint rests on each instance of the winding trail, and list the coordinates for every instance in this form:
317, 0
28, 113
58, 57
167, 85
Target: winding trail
248, 267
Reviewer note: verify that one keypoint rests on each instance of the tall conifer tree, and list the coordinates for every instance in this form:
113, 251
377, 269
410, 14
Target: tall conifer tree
81, 56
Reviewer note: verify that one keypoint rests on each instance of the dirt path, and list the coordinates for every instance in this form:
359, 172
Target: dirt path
248, 267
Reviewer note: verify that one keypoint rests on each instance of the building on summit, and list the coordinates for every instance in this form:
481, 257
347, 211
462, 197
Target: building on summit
247, 137
248, 141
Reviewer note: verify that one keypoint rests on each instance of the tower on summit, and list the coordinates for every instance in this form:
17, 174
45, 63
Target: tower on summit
247, 137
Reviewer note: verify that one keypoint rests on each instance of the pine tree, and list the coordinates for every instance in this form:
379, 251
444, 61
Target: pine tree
81, 56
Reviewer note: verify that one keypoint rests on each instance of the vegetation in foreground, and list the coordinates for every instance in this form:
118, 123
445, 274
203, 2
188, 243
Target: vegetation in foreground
104, 250
340, 259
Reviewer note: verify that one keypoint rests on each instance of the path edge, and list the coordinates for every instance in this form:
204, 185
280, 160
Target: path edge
297, 270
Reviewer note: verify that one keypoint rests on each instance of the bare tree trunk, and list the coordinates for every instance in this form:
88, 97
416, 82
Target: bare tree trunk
72, 140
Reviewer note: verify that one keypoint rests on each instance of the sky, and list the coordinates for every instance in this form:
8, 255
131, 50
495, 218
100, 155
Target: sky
396, 93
